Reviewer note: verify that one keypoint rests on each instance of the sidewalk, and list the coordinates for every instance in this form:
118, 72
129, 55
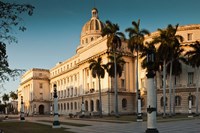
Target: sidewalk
100, 126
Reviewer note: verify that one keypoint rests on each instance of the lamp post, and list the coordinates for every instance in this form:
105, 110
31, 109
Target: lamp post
139, 112
22, 118
56, 123
190, 106
151, 95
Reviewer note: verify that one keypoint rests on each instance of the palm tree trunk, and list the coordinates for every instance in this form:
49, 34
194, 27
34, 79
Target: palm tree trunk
174, 91
170, 88
197, 92
164, 88
137, 84
100, 101
116, 93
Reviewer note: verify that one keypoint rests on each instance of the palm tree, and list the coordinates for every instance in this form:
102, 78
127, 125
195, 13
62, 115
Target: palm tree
111, 65
98, 70
114, 41
175, 68
193, 58
135, 43
168, 40
13, 95
5, 98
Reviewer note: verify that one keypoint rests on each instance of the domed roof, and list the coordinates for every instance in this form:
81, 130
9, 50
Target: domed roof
91, 30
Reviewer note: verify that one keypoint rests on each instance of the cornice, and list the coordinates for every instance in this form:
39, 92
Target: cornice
33, 78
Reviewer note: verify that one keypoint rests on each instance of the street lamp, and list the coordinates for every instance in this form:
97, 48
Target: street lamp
151, 95
139, 114
190, 106
22, 110
56, 123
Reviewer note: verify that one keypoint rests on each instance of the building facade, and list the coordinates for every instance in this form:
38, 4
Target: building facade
75, 84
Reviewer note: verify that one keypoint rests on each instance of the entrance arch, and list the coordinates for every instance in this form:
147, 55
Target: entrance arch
41, 109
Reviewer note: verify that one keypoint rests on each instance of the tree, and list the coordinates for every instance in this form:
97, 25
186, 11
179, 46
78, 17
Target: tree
120, 65
136, 43
174, 68
167, 40
5, 98
194, 61
10, 19
114, 42
98, 70
13, 95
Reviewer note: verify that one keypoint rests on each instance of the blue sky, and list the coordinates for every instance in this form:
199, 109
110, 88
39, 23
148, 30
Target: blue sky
53, 31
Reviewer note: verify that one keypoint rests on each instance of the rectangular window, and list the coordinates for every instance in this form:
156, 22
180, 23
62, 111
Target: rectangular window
189, 36
41, 85
190, 78
122, 83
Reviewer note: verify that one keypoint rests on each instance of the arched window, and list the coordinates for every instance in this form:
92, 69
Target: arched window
91, 105
97, 105
193, 98
177, 101
92, 39
86, 41
124, 103
162, 101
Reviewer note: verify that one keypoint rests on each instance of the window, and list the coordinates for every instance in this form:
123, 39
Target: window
41, 85
75, 77
75, 105
75, 91
193, 98
86, 105
67, 106
122, 83
71, 78
61, 106
72, 92
92, 39
86, 41
97, 105
162, 101
71, 106
64, 106
68, 92
177, 101
82, 41
189, 36
93, 85
124, 103
190, 78
91, 105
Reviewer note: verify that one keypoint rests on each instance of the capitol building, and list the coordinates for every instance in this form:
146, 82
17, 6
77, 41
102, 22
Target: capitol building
75, 84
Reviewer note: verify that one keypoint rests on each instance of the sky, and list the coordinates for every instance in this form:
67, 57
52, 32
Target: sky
53, 32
